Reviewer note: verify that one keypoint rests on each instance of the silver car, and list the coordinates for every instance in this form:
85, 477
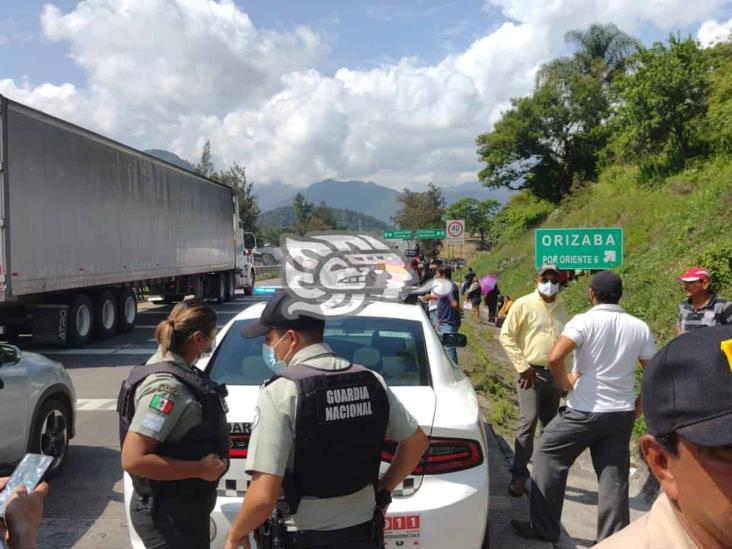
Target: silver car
37, 407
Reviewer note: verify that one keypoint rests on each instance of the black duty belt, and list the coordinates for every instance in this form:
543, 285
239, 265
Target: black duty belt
313, 538
538, 366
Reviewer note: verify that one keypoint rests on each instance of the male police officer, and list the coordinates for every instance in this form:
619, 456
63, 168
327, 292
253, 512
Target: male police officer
318, 433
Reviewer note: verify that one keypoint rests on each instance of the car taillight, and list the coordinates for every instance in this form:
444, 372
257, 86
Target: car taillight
239, 446
444, 455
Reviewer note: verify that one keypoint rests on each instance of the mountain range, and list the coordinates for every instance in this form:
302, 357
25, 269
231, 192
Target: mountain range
363, 197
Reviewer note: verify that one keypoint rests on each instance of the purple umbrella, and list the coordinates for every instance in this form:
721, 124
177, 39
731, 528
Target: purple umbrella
487, 283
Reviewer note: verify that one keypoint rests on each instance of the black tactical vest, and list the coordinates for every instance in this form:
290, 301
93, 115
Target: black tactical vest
211, 436
339, 431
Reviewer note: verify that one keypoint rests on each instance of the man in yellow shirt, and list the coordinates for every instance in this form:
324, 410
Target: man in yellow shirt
532, 326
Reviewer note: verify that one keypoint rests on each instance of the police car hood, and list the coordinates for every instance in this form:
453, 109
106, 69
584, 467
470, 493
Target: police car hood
419, 401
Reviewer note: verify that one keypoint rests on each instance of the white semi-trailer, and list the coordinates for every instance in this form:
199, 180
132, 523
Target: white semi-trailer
86, 221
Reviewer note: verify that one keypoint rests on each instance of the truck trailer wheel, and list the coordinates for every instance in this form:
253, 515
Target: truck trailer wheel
126, 309
105, 314
220, 285
80, 320
229, 286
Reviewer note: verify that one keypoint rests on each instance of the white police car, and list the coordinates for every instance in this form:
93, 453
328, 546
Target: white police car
446, 497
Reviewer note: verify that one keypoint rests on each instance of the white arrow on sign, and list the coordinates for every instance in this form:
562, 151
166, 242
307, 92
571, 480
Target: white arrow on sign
610, 256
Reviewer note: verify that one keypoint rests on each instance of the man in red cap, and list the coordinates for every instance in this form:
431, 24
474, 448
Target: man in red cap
702, 307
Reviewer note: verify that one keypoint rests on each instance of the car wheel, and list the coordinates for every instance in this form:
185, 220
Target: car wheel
126, 310
50, 434
105, 314
81, 320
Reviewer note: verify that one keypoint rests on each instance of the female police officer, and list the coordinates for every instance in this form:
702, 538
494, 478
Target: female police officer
174, 434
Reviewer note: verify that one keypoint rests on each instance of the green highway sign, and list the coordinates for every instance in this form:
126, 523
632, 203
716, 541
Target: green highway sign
426, 234
398, 234
580, 248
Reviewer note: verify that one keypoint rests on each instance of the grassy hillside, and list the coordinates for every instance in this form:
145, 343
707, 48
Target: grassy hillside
683, 221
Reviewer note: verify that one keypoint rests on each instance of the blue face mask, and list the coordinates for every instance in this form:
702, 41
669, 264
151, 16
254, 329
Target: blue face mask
268, 355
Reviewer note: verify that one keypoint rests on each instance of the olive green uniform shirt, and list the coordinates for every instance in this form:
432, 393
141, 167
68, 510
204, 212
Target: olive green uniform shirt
165, 408
271, 448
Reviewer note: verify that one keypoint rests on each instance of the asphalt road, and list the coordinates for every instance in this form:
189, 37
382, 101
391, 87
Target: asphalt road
85, 506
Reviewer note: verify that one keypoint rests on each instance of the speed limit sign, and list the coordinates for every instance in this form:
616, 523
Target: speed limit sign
455, 229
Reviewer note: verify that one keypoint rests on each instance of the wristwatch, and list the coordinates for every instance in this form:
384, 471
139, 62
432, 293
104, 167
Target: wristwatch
383, 498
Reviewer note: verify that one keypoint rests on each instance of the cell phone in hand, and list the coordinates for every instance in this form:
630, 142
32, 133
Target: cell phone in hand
29, 472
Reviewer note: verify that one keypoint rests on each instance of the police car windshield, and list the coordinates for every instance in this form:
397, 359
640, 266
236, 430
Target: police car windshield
394, 348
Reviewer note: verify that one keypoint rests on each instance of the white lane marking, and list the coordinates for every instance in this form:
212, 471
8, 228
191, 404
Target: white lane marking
96, 352
96, 404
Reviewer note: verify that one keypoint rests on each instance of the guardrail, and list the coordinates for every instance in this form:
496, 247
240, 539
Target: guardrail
265, 272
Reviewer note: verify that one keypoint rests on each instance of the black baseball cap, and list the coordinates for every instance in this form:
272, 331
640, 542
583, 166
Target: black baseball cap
687, 387
607, 282
547, 268
275, 316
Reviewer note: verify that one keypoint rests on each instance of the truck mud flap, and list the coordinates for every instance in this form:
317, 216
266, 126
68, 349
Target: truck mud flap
50, 323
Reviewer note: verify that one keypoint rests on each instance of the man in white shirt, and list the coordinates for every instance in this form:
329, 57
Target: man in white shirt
608, 343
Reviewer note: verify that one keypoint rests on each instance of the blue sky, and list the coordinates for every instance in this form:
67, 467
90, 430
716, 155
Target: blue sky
358, 34
300, 90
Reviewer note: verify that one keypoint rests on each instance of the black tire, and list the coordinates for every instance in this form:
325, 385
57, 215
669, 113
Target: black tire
80, 322
230, 291
50, 433
105, 314
126, 309
220, 287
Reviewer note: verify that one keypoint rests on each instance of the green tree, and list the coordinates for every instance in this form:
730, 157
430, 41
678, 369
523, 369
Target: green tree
549, 140
719, 124
236, 177
303, 212
205, 165
323, 218
422, 210
478, 215
602, 51
662, 106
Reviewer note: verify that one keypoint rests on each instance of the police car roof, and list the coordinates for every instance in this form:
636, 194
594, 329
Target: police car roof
385, 309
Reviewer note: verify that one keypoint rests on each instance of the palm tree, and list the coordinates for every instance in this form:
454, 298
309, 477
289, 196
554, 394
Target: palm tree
602, 52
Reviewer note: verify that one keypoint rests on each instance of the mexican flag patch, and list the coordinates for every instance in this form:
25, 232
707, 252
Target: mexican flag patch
161, 404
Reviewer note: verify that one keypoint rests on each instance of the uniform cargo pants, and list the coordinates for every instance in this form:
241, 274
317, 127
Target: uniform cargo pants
171, 521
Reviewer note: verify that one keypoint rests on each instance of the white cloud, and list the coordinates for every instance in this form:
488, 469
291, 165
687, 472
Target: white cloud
173, 73
712, 32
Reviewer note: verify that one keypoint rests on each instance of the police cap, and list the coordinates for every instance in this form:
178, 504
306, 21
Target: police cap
275, 316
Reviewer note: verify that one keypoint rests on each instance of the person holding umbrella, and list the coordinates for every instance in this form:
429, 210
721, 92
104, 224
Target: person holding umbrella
489, 288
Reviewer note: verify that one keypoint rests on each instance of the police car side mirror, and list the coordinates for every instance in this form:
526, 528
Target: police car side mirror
454, 340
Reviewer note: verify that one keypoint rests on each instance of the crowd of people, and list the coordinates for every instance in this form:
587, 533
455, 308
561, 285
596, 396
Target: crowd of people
590, 360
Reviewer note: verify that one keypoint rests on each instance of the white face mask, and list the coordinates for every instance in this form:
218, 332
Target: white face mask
548, 288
